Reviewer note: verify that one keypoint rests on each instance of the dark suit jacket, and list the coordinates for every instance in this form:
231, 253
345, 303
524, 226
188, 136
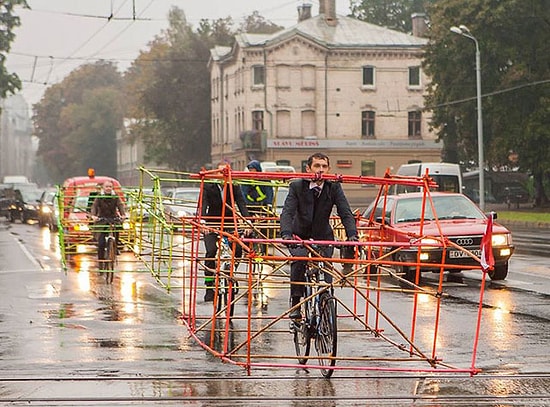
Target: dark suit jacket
308, 217
212, 203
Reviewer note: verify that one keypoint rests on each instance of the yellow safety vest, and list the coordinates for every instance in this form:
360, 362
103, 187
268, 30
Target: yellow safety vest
261, 196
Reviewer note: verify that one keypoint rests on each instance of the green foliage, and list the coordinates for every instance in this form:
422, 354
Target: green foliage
76, 122
9, 82
169, 89
393, 14
514, 41
530, 217
174, 98
257, 24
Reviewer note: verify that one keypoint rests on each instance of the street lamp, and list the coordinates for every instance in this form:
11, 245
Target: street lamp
465, 32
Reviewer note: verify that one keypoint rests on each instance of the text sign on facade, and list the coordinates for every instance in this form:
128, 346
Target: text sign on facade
352, 144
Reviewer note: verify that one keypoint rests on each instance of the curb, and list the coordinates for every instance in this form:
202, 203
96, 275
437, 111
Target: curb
524, 224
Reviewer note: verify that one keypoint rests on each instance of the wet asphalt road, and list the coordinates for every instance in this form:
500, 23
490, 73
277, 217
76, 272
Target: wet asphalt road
67, 338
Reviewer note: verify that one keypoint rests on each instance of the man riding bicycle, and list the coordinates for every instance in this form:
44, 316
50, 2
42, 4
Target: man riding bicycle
306, 215
105, 208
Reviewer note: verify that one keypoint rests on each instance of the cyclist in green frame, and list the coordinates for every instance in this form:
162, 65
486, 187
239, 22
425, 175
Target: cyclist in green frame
108, 205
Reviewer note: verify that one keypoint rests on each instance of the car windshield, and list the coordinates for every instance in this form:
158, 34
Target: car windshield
31, 196
49, 197
81, 204
446, 207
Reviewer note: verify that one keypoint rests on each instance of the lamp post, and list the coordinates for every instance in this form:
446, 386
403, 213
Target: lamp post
465, 32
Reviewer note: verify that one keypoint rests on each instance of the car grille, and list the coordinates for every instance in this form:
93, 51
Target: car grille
466, 241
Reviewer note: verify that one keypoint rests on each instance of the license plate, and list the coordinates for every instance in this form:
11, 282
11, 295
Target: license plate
457, 254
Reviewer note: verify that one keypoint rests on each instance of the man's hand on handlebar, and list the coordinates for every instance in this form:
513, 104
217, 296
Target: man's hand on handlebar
290, 245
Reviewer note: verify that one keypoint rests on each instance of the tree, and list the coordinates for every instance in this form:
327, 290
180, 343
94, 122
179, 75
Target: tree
217, 32
9, 82
76, 122
171, 85
514, 39
255, 23
92, 126
393, 14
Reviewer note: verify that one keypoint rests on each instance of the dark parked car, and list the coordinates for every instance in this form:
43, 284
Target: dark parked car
398, 219
6, 198
26, 204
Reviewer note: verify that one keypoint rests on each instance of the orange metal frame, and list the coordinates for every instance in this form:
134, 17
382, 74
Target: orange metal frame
364, 301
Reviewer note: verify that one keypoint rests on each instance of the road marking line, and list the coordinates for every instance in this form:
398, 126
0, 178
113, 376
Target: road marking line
28, 254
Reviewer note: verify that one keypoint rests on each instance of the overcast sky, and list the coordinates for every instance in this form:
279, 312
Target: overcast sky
56, 36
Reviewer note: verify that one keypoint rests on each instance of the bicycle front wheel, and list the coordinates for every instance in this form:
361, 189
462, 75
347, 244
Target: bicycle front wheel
225, 301
302, 340
327, 334
110, 259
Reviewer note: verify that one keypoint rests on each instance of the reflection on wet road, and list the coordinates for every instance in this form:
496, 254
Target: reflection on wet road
69, 336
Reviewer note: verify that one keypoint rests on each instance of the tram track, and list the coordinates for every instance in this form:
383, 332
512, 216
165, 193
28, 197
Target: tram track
419, 390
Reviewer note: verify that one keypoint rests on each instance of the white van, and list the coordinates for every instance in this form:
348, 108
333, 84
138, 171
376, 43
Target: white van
16, 179
271, 166
447, 175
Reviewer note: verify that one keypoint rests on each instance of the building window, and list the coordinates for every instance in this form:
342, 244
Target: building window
258, 75
415, 119
414, 76
368, 76
367, 124
258, 120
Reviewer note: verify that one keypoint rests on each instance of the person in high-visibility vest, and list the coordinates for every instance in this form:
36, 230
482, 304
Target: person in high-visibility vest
258, 197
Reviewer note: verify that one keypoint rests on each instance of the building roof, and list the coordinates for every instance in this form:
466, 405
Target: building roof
218, 52
348, 32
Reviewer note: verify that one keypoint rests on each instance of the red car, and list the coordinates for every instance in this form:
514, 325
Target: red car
398, 220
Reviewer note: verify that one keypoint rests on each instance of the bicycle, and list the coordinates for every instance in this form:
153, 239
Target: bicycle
109, 226
259, 275
320, 320
227, 286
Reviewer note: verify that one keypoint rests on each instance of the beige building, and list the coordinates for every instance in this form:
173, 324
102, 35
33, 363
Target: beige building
130, 157
329, 83
17, 147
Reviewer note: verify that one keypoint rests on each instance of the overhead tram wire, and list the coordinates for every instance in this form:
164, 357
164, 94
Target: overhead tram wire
69, 57
83, 44
124, 29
